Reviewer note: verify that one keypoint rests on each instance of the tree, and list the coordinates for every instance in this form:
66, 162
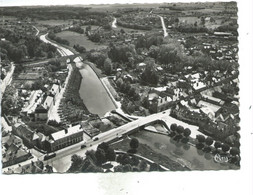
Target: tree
134, 161
225, 147
91, 155
180, 129
234, 151
118, 168
173, 127
127, 168
143, 165
187, 132
110, 155
207, 149
145, 103
217, 144
76, 162
200, 138
134, 143
108, 66
154, 167
209, 141
104, 146
100, 156
200, 146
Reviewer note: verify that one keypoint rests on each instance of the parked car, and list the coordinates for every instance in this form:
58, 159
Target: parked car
95, 139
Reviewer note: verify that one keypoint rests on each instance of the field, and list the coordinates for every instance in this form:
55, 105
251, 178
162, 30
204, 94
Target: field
54, 22
76, 38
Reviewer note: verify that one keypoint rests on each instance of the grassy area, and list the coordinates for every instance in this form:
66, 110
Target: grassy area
145, 151
54, 22
81, 39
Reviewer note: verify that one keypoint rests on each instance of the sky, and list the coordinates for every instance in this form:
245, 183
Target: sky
69, 2
85, 2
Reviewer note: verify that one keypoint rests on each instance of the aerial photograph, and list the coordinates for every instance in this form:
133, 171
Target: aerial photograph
119, 88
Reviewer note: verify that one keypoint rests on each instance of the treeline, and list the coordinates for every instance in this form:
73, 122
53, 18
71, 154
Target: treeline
184, 28
55, 12
53, 37
77, 29
20, 48
133, 26
79, 48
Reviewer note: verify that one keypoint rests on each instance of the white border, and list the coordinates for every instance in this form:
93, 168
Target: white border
196, 182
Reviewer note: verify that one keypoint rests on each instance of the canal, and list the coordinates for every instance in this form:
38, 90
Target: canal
93, 93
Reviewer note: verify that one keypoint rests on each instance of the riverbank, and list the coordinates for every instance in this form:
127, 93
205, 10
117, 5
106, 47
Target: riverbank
146, 151
72, 108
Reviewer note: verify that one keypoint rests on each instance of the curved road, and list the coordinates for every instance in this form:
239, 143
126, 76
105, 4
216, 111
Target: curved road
62, 50
114, 23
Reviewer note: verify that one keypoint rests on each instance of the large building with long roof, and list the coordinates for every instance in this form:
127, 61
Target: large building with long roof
64, 138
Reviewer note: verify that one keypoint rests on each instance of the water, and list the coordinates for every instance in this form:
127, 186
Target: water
93, 93
182, 153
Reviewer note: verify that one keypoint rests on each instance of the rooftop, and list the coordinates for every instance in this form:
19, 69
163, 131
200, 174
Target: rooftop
48, 101
65, 133
213, 107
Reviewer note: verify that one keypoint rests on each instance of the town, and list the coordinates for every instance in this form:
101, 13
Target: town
120, 88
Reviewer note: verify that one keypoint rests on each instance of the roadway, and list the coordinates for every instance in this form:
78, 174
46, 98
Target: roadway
62, 50
62, 161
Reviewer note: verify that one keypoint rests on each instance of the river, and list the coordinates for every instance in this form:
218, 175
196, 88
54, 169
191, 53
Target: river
182, 153
93, 93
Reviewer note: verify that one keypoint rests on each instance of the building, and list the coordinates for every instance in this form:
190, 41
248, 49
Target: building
14, 154
64, 138
41, 113
159, 100
141, 66
55, 90
48, 103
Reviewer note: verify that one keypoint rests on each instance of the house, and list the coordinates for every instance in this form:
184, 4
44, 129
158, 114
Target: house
141, 66
195, 81
25, 133
40, 113
48, 103
14, 155
10, 139
55, 89
214, 108
64, 138
213, 100
160, 99
5, 125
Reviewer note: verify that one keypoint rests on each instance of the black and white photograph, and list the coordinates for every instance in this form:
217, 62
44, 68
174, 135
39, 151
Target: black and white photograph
122, 88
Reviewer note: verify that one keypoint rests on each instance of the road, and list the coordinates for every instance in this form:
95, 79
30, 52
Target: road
62, 161
62, 50
164, 27
37, 33
114, 23
8, 78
